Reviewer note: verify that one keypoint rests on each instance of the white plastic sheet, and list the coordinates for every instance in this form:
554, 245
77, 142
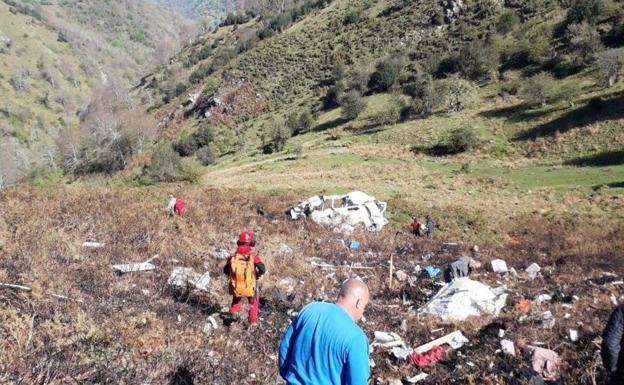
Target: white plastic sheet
463, 298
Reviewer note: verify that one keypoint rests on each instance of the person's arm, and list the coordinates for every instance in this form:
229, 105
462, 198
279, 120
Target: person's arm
284, 350
260, 268
226, 268
357, 367
612, 339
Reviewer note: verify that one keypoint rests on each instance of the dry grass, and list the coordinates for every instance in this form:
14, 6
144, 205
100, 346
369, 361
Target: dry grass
133, 329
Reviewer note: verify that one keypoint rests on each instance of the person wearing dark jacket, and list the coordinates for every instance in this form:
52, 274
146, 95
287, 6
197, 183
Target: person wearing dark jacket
612, 354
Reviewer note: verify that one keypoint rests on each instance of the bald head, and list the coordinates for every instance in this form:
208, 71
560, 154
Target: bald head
354, 297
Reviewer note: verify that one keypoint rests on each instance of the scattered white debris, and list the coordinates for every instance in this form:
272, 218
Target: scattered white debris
394, 381
284, 249
12, 286
401, 353
543, 298
456, 340
221, 254
499, 266
93, 245
401, 276
573, 335
548, 320
181, 276
508, 347
533, 270
501, 333
614, 300
387, 340
343, 212
463, 298
135, 267
417, 378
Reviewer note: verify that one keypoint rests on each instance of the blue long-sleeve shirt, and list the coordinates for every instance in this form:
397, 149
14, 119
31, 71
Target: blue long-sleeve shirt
324, 346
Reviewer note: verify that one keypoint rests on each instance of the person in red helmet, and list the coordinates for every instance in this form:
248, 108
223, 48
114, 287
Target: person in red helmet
244, 268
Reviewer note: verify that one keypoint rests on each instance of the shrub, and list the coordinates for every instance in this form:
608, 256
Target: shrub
507, 22
180, 88
537, 48
200, 72
477, 60
299, 124
386, 73
584, 41
608, 67
278, 136
585, 11
306, 122
207, 155
459, 93
352, 17
543, 89
462, 140
390, 115
191, 172
165, 165
428, 96
359, 80
338, 73
333, 96
200, 138
352, 105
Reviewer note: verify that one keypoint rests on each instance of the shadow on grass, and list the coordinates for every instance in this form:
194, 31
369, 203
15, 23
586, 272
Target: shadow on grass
436, 150
200, 302
330, 124
609, 158
596, 110
517, 113
181, 376
611, 185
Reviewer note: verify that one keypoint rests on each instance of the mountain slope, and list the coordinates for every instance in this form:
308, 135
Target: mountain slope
213, 10
55, 54
514, 81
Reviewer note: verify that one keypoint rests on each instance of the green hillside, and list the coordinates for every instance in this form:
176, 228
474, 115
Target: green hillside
486, 114
57, 54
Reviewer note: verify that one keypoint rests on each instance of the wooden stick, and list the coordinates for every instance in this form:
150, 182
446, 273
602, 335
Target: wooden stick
391, 271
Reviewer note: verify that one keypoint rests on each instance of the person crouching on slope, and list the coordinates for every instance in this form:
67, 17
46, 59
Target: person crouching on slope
244, 268
324, 345
175, 206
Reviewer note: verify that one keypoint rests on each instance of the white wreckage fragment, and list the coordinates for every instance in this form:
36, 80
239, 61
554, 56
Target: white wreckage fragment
387, 340
343, 212
455, 340
93, 245
182, 276
463, 298
135, 267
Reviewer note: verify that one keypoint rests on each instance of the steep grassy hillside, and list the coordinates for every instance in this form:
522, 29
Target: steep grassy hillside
55, 55
213, 10
476, 114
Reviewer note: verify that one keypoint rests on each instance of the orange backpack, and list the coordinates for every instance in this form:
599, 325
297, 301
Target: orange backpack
243, 275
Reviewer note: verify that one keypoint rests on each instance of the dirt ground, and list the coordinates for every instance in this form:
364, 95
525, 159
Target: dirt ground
81, 323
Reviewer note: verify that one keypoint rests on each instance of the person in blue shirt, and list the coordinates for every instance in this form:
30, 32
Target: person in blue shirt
324, 345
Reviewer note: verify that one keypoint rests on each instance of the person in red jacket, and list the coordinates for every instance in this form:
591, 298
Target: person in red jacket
243, 268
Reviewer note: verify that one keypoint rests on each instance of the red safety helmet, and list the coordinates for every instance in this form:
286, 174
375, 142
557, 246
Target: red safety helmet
246, 238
